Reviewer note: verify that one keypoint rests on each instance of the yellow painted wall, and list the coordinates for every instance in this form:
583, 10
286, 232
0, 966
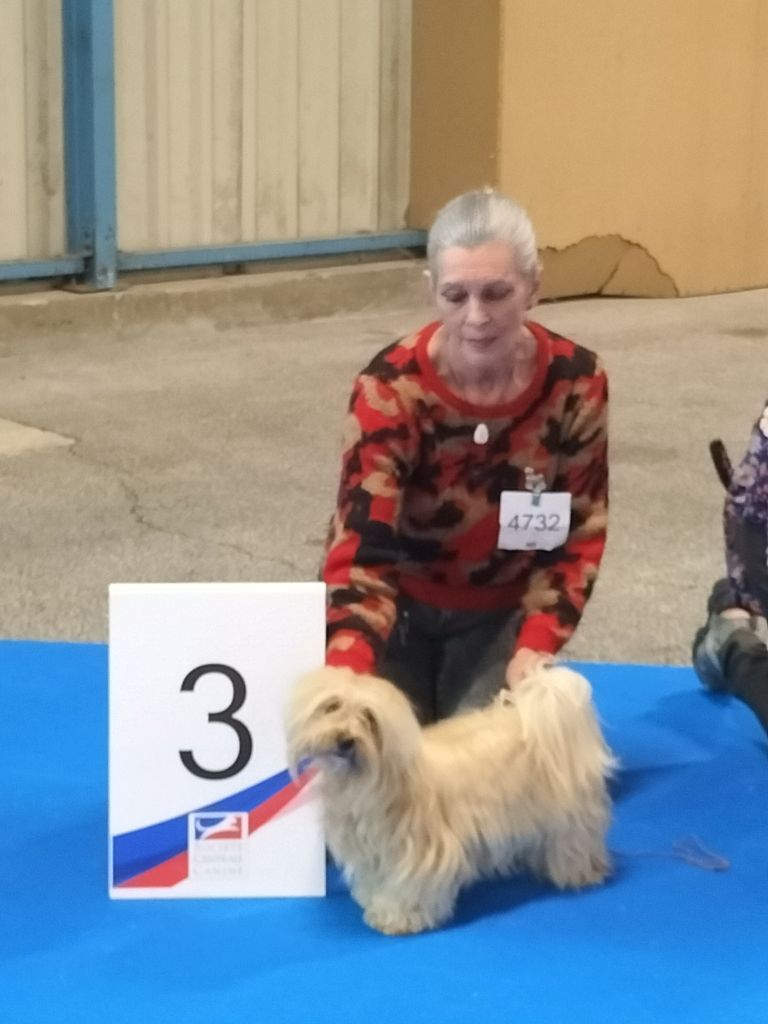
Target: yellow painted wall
636, 133
454, 101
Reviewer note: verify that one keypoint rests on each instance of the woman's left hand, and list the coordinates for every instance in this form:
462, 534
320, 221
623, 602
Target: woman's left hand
525, 661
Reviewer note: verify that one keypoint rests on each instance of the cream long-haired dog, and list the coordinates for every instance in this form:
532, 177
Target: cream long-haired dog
412, 815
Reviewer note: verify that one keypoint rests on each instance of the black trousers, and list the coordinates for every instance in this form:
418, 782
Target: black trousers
744, 658
447, 662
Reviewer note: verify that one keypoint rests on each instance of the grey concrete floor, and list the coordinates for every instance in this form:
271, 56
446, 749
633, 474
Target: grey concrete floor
199, 451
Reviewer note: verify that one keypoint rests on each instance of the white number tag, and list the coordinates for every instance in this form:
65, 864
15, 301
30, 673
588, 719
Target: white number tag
533, 522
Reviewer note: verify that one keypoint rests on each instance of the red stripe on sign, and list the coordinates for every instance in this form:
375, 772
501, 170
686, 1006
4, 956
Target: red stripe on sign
261, 815
176, 869
169, 873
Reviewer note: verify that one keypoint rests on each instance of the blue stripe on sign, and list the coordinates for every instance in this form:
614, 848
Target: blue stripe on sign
144, 848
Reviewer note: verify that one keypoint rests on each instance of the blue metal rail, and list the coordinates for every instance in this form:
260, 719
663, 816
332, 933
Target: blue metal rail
247, 253
28, 270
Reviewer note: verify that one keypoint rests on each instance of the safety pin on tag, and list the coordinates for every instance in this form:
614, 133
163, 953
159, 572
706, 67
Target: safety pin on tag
535, 483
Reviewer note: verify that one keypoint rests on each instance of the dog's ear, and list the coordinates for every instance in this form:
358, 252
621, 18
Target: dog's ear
372, 724
295, 756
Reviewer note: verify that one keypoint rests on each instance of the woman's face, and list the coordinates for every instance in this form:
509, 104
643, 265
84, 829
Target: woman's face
482, 298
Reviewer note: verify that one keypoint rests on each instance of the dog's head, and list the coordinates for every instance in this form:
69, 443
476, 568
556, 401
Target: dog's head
349, 723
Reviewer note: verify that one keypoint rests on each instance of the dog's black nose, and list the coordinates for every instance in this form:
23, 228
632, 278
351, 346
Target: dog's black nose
345, 746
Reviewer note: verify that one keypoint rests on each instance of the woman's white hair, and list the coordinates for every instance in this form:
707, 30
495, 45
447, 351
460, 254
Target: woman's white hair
479, 216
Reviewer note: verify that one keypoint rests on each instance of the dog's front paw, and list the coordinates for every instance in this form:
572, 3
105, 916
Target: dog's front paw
397, 921
580, 874
600, 869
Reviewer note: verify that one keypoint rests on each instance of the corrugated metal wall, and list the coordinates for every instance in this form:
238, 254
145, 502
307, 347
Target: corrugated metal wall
254, 120
31, 136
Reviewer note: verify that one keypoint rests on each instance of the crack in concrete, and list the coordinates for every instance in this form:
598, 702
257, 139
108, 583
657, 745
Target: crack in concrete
140, 517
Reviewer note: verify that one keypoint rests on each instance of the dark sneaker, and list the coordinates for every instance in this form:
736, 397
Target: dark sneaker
721, 597
709, 644
706, 663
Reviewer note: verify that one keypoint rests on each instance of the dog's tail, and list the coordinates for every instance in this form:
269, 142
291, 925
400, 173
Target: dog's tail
560, 727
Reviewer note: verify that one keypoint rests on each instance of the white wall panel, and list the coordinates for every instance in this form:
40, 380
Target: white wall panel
31, 138
227, 104
254, 120
190, 141
274, 131
319, 125
138, 170
359, 106
395, 112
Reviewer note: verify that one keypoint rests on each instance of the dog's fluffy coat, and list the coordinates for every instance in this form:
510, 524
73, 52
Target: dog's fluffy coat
413, 815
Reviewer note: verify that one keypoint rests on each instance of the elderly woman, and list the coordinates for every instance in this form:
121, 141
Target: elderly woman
471, 511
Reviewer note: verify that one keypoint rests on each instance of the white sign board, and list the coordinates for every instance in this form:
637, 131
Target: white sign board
200, 800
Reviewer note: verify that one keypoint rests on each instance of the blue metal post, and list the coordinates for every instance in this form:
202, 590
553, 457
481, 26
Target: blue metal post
89, 136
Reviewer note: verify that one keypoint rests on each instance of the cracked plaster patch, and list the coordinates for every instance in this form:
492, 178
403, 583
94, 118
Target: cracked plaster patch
604, 265
15, 439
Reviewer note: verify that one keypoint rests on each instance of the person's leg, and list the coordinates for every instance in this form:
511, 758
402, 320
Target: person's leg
409, 659
729, 656
724, 617
744, 658
475, 651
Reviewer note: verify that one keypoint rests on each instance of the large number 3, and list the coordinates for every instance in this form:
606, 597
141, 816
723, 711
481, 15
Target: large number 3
226, 717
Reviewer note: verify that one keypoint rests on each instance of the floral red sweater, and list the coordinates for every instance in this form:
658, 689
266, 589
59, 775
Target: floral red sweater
418, 503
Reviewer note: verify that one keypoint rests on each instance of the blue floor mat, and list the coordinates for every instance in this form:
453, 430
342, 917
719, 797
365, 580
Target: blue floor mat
665, 941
